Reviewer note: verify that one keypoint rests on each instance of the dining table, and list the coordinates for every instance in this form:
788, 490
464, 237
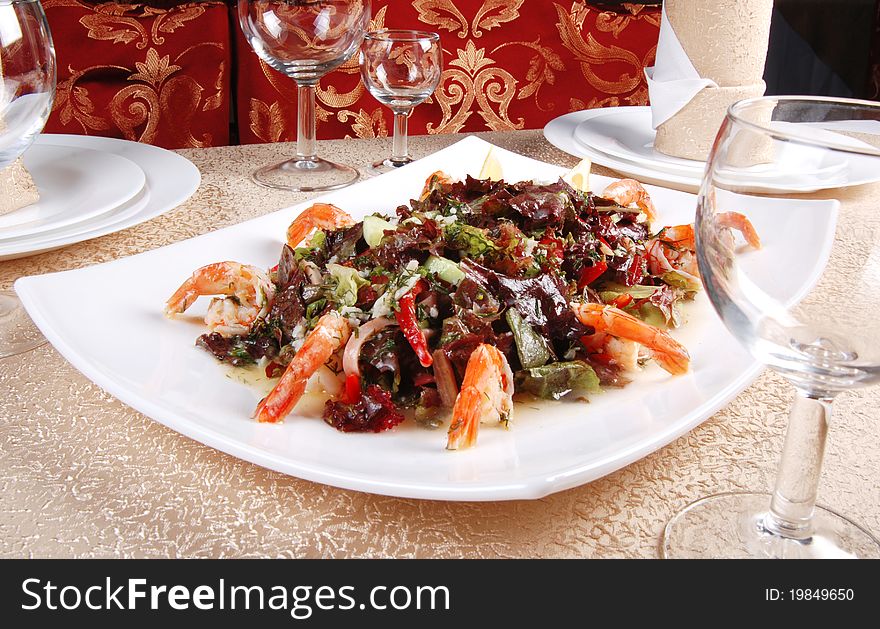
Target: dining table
84, 475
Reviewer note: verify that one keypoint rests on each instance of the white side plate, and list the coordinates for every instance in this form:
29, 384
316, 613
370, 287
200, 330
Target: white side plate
170, 180
75, 184
622, 138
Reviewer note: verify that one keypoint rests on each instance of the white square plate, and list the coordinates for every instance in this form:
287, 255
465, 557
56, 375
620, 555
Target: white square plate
107, 321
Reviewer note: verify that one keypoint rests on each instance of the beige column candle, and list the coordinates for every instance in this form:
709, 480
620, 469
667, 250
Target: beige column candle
726, 40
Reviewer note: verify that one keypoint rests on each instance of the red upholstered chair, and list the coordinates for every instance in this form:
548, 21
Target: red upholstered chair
509, 64
162, 71
141, 72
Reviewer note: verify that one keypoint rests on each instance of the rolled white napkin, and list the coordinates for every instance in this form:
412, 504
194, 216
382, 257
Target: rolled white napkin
673, 81
710, 55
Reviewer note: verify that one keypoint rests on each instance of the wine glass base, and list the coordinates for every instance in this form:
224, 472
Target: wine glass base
731, 526
18, 334
387, 165
305, 175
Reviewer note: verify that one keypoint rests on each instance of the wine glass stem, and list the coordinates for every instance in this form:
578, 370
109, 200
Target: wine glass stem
305, 122
797, 479
399, 150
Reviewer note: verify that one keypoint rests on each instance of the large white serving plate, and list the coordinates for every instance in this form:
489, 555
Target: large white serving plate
107, 321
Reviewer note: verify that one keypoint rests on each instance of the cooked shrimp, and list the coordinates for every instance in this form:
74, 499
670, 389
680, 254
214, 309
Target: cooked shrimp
433, 182
317, 216
668, 352
681, 236
248, 291
486, 394
674, 248
329, 334
741, 223
621, 352
625, 192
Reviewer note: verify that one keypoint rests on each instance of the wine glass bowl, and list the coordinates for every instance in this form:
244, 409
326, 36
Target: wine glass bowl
27, 89
401, 69
27, 76
804, 172
304, 39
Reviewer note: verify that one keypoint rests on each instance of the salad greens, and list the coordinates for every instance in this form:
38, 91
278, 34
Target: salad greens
469, 263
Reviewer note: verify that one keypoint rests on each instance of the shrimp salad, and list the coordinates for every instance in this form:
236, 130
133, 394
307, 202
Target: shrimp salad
473, 292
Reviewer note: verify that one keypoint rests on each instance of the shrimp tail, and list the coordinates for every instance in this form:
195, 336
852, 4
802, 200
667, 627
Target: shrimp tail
316, 216
330, 333
742, 224
627, 192
199, 283
669, 353
465, 423
486, 393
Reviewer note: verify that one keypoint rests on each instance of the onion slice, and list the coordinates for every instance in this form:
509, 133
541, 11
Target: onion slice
358, 337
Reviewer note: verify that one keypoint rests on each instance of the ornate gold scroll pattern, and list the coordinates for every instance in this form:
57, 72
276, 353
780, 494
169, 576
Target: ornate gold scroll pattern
123, 23
365, 124
540, 71
591, 54
443, 14
615, 22
159, 88
156, 87
266, 121
73, 101
472, 78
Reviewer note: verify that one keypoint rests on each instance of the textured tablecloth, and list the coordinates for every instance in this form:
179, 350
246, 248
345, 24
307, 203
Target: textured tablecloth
83, 475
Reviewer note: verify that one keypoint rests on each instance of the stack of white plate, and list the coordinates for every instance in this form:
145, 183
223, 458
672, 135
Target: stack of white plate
622, 139
91, 187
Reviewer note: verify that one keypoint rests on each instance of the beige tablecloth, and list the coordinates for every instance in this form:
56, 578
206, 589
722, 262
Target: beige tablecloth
83, 475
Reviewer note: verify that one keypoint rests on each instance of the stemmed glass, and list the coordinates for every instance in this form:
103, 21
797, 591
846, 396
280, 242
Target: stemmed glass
27, 89
304, 39
400, 69
805, 304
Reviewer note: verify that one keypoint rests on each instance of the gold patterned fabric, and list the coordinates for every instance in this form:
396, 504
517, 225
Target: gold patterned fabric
508, 64
84, 475
138, 72
163, 72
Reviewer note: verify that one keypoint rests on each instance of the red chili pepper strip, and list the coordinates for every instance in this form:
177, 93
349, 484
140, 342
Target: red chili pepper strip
590, 274
622, 301
554, 246
352, 391
409, 325
635, 272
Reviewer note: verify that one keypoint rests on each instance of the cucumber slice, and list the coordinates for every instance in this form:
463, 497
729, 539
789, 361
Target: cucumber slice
375, 228
444, 268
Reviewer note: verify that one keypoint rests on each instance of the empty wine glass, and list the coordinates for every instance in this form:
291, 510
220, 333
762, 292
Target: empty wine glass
304, 39
805, 172
27, 88
401, 69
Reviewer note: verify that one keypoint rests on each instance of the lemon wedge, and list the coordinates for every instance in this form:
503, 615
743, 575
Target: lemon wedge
579, 176
491, 167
